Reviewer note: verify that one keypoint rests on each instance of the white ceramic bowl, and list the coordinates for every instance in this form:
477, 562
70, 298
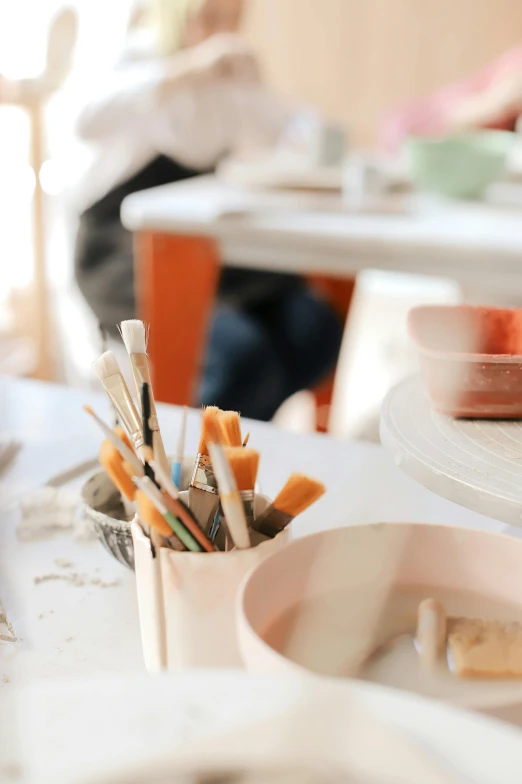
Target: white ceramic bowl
364, 563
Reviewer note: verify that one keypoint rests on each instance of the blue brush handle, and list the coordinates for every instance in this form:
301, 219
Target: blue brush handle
176, 474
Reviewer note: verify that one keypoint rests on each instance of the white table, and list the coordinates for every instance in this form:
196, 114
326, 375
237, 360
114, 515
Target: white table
476, 463
95, 629
92, 630
154, 725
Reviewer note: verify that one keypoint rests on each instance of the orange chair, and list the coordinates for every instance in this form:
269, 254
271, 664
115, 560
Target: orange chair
176, 280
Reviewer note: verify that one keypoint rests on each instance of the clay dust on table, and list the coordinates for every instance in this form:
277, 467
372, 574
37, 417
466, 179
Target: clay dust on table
6, 630
63, 563
76, 579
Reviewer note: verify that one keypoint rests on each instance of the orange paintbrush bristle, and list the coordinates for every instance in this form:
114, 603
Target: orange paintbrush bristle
210, 419
151, 515
298, 494
244, 463
230, 422
113, 463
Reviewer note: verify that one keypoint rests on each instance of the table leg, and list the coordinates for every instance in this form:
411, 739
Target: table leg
339, 293
176, 280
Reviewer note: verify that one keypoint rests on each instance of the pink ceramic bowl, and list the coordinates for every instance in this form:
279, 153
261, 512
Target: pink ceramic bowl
362, 564
471, 359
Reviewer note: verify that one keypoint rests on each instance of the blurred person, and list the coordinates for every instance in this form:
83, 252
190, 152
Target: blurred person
186, 91
489, 98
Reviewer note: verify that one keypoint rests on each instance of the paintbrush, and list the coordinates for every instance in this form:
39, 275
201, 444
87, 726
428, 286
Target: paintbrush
177, 465
230, 422
229, 497
155, 522
109, 373
147, 451
203, 495
104, 346
176, 506
156, 497
119, 441
115, 467
298, 494
244, 463
134, 336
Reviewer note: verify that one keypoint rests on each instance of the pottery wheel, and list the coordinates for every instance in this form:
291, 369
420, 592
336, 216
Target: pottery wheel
475, 463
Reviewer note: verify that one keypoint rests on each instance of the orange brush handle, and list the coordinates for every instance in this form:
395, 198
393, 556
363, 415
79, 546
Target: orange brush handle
113, 463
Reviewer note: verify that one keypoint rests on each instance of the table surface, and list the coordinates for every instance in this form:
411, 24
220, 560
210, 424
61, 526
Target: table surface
228, 716
476, 463
305, 232
68, 629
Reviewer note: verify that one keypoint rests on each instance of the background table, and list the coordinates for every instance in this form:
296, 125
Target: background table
185, 231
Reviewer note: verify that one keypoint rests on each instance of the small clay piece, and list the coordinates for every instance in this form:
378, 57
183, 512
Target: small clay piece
431, 631
485, 648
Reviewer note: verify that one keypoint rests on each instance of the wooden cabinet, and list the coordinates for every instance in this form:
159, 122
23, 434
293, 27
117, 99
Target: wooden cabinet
357, 58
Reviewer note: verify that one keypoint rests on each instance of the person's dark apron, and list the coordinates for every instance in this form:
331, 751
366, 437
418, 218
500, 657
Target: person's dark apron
104, 257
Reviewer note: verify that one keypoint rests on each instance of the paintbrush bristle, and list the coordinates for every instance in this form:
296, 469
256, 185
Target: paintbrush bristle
230, 422
210, 429
134, 335
106, 366
244, 464
114, 466
298, 494
150, 514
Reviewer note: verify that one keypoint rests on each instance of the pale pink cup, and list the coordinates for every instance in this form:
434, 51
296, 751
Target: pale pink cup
363, 563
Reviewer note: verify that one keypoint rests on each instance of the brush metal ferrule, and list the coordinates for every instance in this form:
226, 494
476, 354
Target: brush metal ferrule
272, 522
141, 373
122, 401
248, 499
203, 476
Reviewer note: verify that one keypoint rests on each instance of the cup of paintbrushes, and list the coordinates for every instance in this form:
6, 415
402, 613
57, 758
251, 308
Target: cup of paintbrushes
196, 591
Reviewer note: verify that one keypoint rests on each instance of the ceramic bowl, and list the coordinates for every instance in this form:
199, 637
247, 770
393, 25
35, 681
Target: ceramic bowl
362, 564
104, 507
110, 517
470, 358
460, 166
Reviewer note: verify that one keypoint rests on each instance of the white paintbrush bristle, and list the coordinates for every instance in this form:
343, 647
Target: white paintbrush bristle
106, 365
134, 336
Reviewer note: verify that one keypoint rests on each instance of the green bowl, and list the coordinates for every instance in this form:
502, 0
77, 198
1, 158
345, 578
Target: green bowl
459, 166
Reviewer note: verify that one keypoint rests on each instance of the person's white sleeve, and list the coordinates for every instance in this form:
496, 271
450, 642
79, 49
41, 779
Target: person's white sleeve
127, 95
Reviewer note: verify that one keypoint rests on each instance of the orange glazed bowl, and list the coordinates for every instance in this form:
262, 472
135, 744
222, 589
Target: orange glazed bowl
470, 359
